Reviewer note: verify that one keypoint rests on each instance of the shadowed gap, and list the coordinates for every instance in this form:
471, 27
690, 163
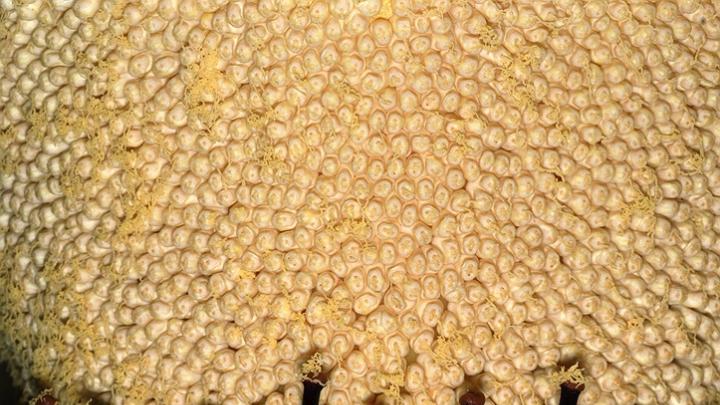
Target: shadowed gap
311, 394
569, 393
9, 393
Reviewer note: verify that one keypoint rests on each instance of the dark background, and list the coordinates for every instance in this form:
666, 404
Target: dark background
8, 393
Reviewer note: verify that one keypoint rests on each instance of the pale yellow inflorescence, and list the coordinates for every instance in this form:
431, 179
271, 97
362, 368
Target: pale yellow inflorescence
212, 201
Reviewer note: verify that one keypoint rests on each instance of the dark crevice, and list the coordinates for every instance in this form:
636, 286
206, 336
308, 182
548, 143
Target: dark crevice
311, 394
312, 387
569, 393
9, 393
570, 361
472, 398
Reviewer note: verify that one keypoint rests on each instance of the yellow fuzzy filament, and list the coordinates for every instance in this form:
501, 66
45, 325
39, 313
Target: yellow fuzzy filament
64, 122
8, 162
528, 58
521, 94
94, 114
460, 139
206, 75
695, 163
138, 207
244, 275
37, 118
345, 89
125, 374
572, 374
489, 39
259, 301
356, 228
311, 368
442, 353
332, 311
391, 384
7, 136
268, 158
106, 68
82, 60
202, 95
442, 349
97, 144
643, 205
206, 115
71, 184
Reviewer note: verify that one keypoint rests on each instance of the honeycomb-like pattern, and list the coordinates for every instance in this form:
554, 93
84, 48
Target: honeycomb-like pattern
211, 201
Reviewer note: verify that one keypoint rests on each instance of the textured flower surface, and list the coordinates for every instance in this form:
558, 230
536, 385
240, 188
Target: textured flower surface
214, 202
